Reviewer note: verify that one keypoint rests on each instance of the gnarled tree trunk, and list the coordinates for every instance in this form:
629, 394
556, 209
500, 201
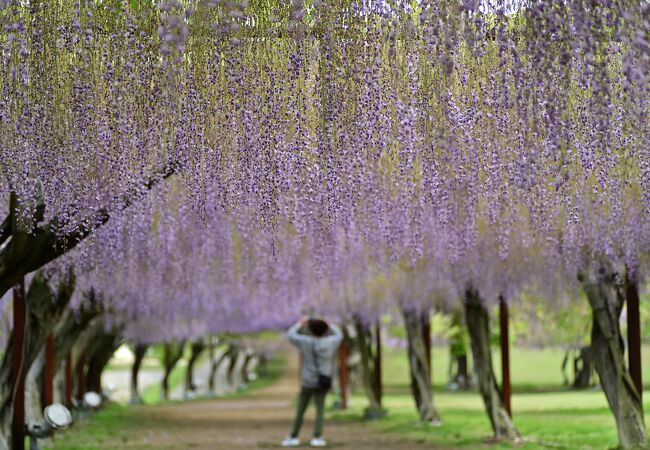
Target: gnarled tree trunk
234, 353
216, 362
74, 324
419, 367
173, 352
606, 297
583, 368
237, 370
197, 348
33, 398
250, 366
369, 378
478, 324
97, 357
458, 364
139, 353
248, 357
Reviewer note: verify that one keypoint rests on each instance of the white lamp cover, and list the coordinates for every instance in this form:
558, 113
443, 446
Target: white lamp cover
58, 416
92, 399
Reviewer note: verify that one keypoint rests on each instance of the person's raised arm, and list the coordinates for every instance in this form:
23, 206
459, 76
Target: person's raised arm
337, 335
293, 333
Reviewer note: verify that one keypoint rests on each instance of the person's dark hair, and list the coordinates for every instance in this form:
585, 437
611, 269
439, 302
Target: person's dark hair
318, 327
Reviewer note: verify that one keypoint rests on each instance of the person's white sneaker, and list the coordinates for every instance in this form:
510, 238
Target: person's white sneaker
318, 442
291, 442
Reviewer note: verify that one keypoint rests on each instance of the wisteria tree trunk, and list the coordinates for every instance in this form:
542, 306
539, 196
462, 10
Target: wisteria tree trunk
33, 390
43, 308
419, 367
82, 348
139, 353
248, 358
214, 367
372, 390
478, 324
33, 395
252, 366
98, 355
197, 348
606, 297
458, 364
216, 362
234, 354
72, 326
583, 368
173, 352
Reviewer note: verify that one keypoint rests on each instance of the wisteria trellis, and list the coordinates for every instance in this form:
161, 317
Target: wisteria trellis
321, 145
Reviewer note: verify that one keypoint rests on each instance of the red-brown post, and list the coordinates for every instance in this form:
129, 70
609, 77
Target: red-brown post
378, 363
81, 382
634, 332
97, 384
69, 382
343, 373
506, 390
48, 371
426, 337
17, 368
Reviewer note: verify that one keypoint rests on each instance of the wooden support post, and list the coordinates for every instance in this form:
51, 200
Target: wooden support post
426, 337
634, 332
378, 363
343, 373
81, 382
96, 384
69, 382
506, 390
18, 367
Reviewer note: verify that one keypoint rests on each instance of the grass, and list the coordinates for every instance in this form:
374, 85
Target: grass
116, 422
531, 369
569, 420
546, 413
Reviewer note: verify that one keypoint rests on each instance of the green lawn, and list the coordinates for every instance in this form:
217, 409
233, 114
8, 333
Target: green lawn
530, 369
547, 414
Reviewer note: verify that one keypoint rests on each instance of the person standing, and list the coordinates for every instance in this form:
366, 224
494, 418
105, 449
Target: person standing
318, 348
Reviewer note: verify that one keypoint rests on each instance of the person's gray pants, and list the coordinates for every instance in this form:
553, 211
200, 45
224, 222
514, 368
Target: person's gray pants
303, 401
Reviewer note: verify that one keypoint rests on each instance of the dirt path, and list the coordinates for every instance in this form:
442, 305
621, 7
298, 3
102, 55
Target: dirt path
256, 421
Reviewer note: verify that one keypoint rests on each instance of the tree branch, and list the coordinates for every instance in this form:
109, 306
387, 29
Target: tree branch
5, 229
27, 252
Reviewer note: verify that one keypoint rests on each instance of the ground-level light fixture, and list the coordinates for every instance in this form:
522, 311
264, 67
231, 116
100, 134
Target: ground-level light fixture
55, 417
92, 400
89, 402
